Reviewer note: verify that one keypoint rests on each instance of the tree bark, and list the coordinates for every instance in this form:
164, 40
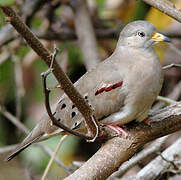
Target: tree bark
119, 149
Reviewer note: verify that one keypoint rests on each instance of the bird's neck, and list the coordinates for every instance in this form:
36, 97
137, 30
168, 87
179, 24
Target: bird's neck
132, 51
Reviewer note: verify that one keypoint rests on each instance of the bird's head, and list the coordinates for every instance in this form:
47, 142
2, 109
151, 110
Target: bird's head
140, 34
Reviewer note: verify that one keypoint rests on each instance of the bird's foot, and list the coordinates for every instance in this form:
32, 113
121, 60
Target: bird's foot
147, 122
118, 129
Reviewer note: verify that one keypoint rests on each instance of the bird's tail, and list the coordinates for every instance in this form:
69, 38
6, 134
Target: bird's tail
44, 127
34, 135
27, 142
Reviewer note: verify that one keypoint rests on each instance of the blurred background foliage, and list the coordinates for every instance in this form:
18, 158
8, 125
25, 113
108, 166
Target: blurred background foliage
20, 68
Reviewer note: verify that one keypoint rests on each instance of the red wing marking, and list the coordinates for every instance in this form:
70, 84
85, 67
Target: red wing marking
99, 91
117, 84
109, 88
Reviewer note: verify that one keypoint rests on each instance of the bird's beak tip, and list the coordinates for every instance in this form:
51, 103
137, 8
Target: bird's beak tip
167, 39
160, 37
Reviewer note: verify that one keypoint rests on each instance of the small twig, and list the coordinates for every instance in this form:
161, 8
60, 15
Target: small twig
171, 65
47, 105
54, 121
166, 100
159, 165
53, 157
18, 124
62, 78
29, 8
168, 161
7, 33
53, 55
97, 130
13, 119
77, 164
4, 55
174, 95
7, 148
50, 153
49, 12
27, 173
20, 91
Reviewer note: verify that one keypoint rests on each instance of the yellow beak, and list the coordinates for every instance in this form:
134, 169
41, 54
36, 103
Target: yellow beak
160, 37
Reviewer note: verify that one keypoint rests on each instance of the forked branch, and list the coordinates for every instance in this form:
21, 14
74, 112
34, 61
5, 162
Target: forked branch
55, 121
64, 81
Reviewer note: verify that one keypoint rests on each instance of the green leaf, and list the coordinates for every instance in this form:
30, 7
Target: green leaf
6, 2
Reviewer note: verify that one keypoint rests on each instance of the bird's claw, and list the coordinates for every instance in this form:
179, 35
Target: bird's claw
118, 130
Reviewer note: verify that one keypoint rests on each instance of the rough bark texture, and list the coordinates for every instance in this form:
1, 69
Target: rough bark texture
166, 7
162, 163
46, 56
119, 149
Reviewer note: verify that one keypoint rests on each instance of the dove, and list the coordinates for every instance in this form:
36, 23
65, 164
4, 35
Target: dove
120, 89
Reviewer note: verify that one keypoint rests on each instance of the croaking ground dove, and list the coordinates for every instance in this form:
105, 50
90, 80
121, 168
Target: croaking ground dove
122, 88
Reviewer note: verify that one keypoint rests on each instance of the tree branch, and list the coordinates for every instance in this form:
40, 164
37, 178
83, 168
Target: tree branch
85, 33
152, 148
119, 149
58, 162
18, 124
174, 94
13, 119
166, 7
62, 78
7, 148
159, 165
171, 65
53, 157
47, 105
29, 8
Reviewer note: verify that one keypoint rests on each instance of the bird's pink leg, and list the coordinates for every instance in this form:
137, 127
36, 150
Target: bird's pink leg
118, 129
147, 122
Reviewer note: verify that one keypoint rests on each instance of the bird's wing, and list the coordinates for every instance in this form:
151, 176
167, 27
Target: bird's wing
95, 86
102, 88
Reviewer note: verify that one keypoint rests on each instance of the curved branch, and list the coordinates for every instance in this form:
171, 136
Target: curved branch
119, 149
61, 77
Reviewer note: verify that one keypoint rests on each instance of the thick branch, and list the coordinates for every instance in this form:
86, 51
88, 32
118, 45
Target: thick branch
45, 55
152, 148
166, 7
119, 149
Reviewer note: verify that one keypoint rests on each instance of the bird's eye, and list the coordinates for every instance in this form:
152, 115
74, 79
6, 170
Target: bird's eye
141, 34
